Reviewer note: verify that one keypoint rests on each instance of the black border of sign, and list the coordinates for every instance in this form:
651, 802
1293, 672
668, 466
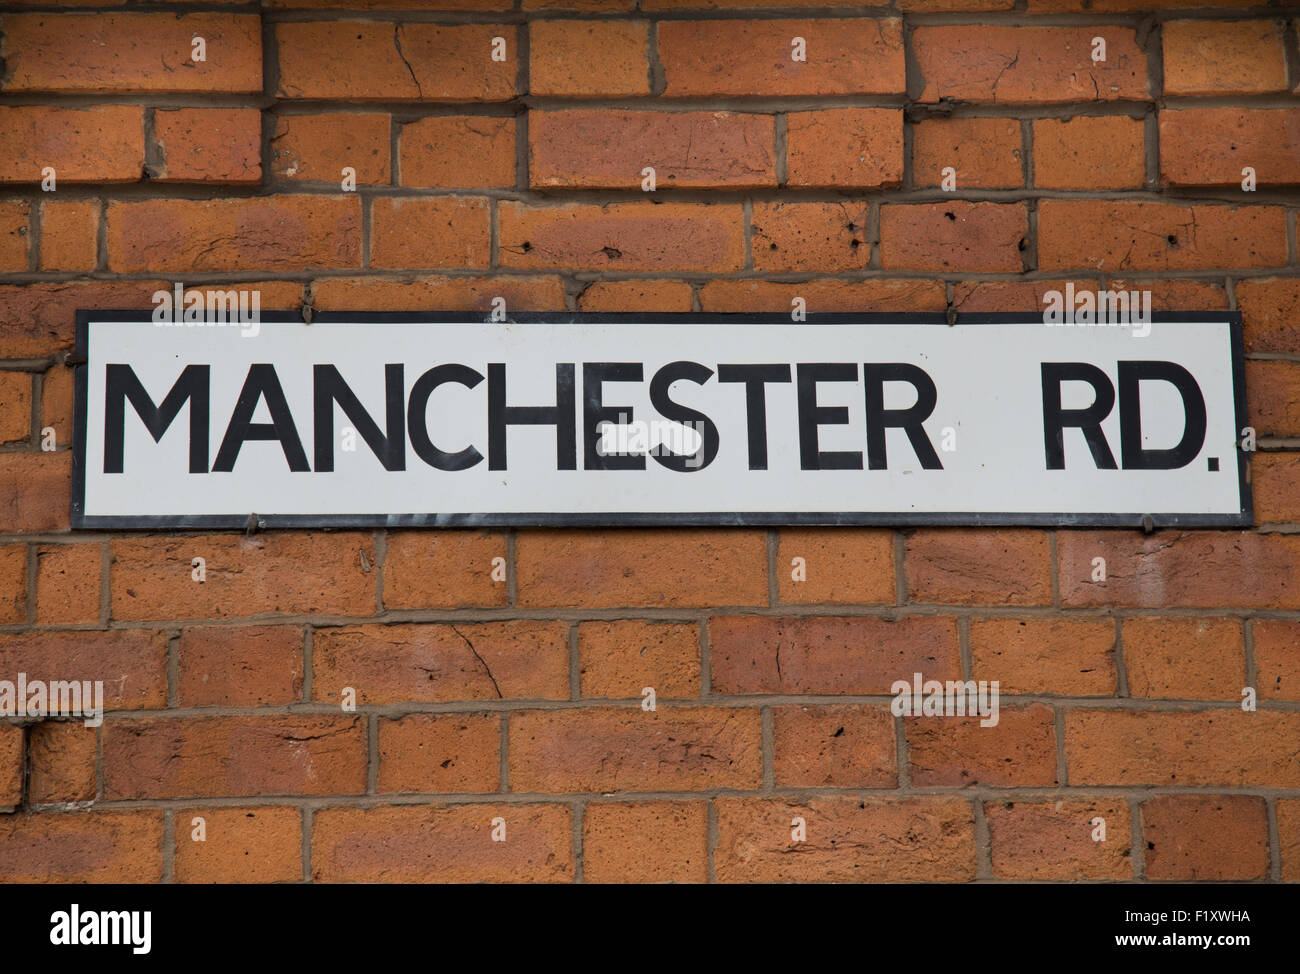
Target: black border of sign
1245, 518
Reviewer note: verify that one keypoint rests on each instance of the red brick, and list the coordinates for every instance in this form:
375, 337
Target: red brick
1276, 485
15, 235
133, 52
458, 151
1211, 146
209, 757
687, 150
444, 569
1219, 748
1206, 57
131, 663
220, 145
69, 235
1010, 566
441, 231
57, 392
850, 839
983, 63
757, 654
747, 58
317, 148
440, 753
13, 583
844, 566
274, 232
1083, 152
810, 236
1054, 840
34, 491
1176, 295
587, 58
854, 147
696, 237
361, 60
936, 6
82, 847
602, 569
638, 295
1288, 828
1191, 569
11, 766
995, 296
443, 844
1066, 657
1273, 396
63, 756
1107, 6
834, 747
1270, 314
671, 844
1110, 236
1205, 837
955, 752
104, 144
677, 749
448, 293
15, 406
619, 659
823, 295
68, 583
241, 845
239, 666
1185, 659
986, 153
283, 573
442, 662
1277, 663
953, 235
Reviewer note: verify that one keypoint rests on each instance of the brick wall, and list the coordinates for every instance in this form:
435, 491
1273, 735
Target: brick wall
520, 698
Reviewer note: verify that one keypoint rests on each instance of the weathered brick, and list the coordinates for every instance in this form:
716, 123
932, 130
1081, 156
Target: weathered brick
1067, 657
953, 235
1273, 397
638, 295
1226, 747
440, 753
984, 63
955, 752
13, 583
82, 847
1054, 840
361, 60
985, 153
274, 232
68, 583
444, 570
1276, 662
757, 654
755, 57
34, 491
1270, 314
588, 58
622, 236
69, 234
131, 663
799, 236
1171, 568
439, 662
1205, 837
834, 747
133, 52
678, 749
849, 839
443, 844
1212, 146
15, 235
1288, 829
851, 147
209, 757
240, 845
618, 659
671, 845
1185, 659
219, 145
1209, 57
104, 144
239, 666
440, 231
999, 296
1276, 487
1083, 152
610, 149
317, 148
823, 295
1010, 566
280, 573
599, 569
15, 406
63, 756
11, 766
1110, 235
458, 151
844, 566
449, 293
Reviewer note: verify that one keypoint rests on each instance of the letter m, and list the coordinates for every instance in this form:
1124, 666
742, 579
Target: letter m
121, 384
